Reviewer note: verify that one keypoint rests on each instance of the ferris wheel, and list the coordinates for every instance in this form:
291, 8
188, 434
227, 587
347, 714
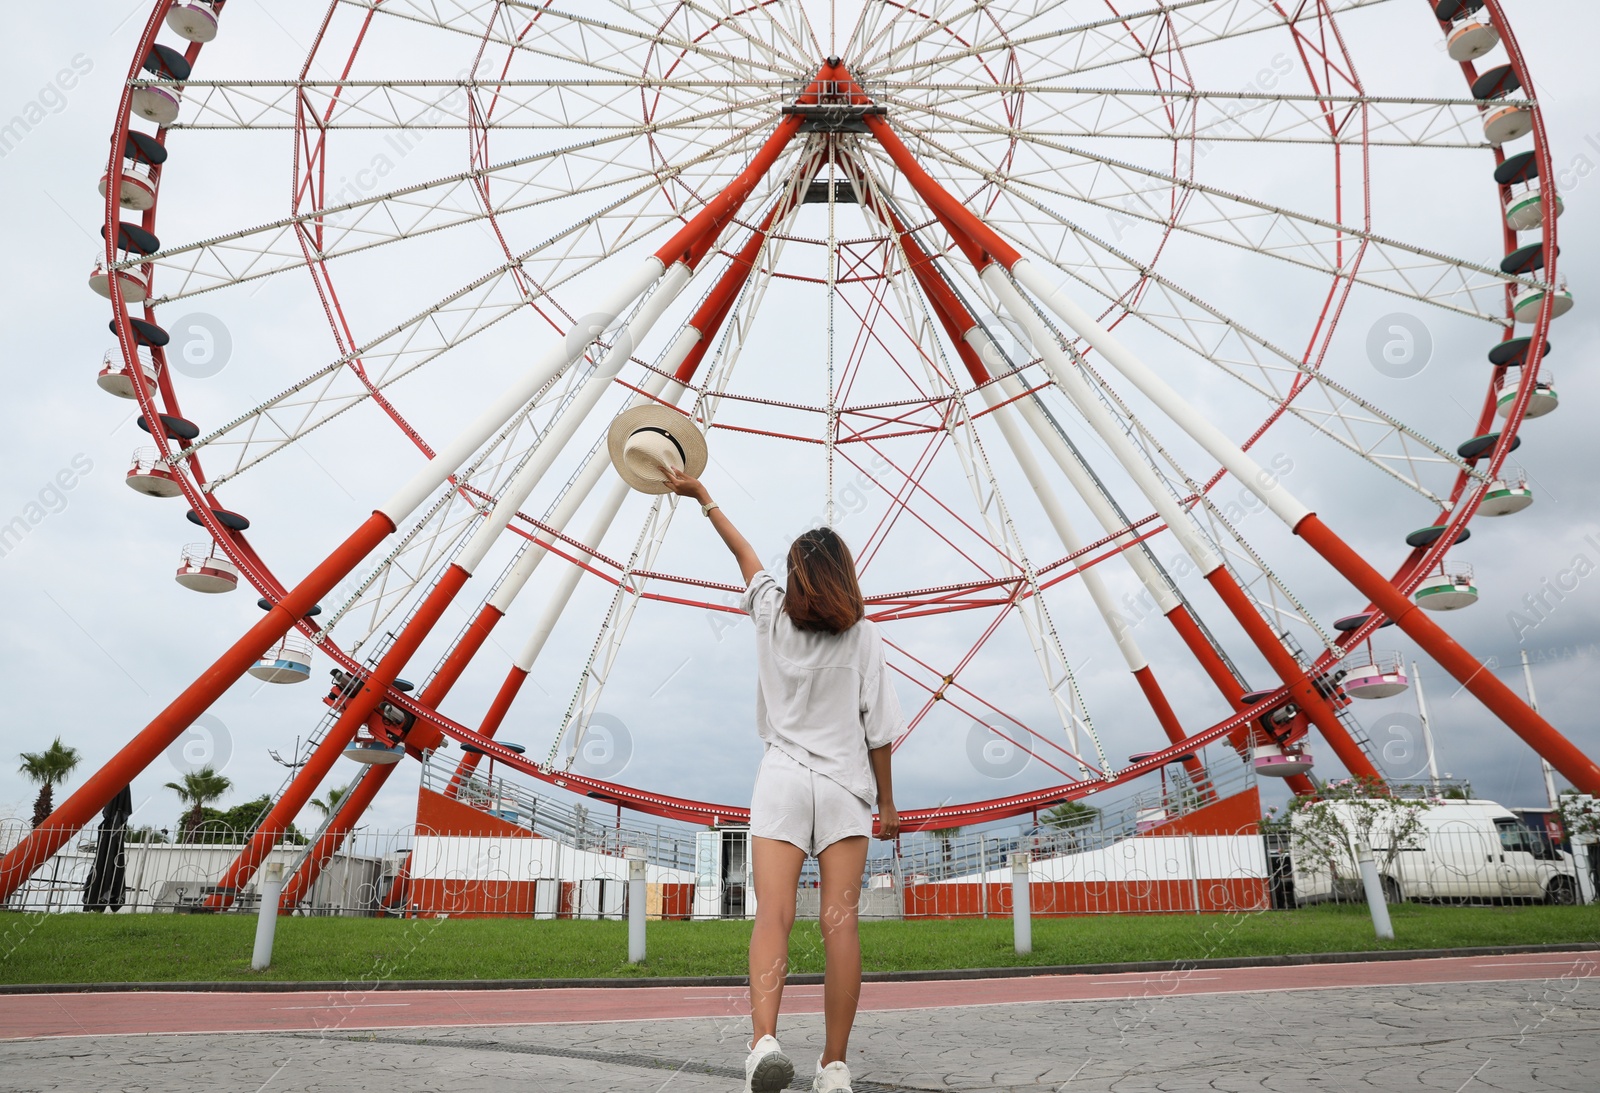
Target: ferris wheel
1047, 304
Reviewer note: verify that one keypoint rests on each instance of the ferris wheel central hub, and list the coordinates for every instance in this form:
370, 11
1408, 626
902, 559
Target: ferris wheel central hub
832, 105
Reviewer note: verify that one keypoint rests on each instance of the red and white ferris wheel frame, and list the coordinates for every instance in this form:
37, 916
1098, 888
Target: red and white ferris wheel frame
290, 606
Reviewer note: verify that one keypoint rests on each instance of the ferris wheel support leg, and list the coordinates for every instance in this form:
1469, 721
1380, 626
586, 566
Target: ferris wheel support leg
1111, 521
1294, 676
1227, 683
1071, 542
997, 262
1169, 720
971, 342
1501, 700
1072, 383
683, 360
353, 805
357, 708
548, 618
167, 726
504, 697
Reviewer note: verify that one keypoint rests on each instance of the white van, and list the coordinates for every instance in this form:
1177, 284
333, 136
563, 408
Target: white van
1464, 850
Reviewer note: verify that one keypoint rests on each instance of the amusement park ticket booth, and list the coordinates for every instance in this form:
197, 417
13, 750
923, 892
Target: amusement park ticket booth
722, 885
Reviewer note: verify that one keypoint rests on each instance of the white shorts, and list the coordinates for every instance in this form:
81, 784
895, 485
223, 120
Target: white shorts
799, 806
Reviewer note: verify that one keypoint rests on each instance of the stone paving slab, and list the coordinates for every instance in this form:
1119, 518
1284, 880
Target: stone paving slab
1530, 1035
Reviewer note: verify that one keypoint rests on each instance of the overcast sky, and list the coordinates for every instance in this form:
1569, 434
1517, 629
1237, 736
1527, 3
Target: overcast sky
97, 637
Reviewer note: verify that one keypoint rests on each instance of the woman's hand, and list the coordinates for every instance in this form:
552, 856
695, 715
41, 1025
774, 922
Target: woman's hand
888, 822
684, 485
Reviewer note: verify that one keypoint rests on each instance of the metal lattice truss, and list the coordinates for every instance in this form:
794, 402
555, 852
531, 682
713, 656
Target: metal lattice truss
1061, 683
634, 576
946, 34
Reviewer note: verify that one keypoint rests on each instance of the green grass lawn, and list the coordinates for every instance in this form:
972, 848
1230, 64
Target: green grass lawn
192, 948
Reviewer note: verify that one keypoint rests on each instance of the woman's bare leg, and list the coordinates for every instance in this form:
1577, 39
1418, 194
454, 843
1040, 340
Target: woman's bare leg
776, 865
842, 863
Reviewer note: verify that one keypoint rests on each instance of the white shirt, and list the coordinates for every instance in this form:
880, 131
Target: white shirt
822, 699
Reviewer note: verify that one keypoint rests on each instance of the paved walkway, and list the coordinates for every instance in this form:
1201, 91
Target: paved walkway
1523, 1022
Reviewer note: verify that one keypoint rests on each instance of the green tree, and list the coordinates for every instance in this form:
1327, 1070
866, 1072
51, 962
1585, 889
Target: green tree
1069, 814
48, 768
198, 789
1328, 831
1580, 814
327, 806
233, 825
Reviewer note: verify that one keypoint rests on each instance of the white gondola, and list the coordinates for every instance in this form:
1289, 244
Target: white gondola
151, 477
1507, 494
1450, 589
1274, 762
1381, 675
134, 287
205, 571
1541, 402
193, 20
289, 661
376, 753
157, 104
1525, 209
1470, 40
138, 188
117, 378
1507, 123
1529, 300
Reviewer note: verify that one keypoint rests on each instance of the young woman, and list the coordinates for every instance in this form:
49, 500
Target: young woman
827, 713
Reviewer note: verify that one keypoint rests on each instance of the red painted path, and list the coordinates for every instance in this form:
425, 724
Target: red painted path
132, 1013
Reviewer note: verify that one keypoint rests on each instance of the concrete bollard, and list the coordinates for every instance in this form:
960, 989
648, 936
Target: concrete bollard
1374, 886
1583, 847
1021, 910
267, 916
634, 856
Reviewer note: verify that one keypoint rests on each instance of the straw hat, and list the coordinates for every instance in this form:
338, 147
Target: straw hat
645, 438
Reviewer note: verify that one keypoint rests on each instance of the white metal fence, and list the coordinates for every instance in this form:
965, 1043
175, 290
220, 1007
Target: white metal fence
1143, 855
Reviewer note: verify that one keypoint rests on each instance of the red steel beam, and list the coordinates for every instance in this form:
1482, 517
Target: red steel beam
352, 806
490, 725
958, 321
1503, 702
983, 247
689, 245
169, 724
706, 321
1293, 675
357, 708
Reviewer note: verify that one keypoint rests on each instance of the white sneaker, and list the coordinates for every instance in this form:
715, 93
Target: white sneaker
833, 1078
768, 1068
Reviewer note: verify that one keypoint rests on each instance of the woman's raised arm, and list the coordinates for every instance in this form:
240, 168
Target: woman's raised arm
743, 553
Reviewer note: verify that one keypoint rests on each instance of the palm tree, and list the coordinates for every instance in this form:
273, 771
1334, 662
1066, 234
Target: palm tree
944, 835
1073, 819
48, 768
198, 789
1069, 814
331, 804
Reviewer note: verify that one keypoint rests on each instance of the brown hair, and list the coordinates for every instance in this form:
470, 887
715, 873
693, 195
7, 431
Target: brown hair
822, 593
